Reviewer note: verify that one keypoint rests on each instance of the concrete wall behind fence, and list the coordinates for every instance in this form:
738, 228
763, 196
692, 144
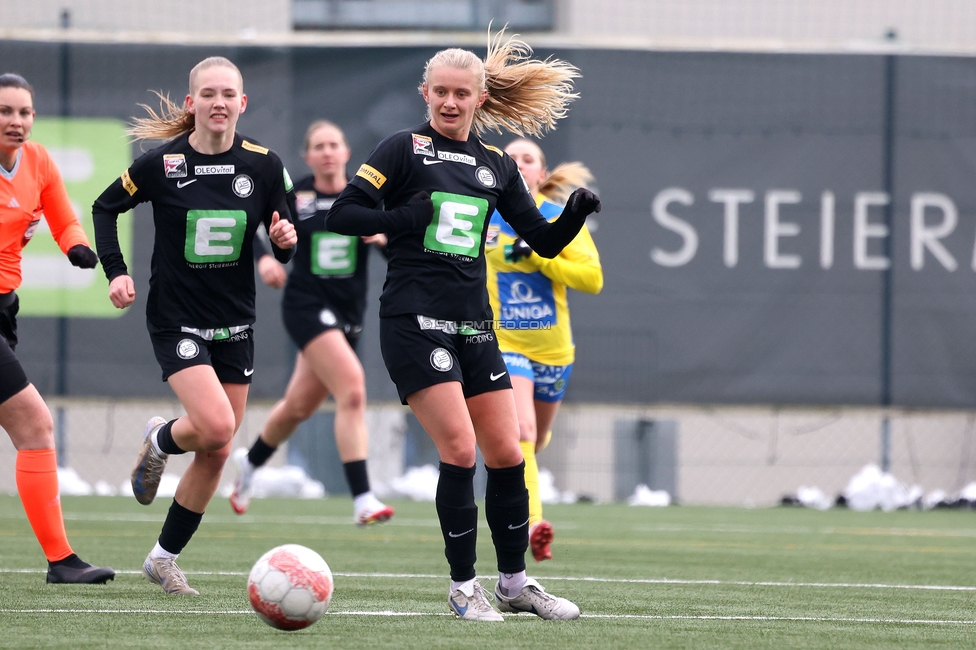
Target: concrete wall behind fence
723, 455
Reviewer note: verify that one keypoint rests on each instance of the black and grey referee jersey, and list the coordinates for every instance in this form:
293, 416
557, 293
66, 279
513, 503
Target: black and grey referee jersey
206, 209
440, 271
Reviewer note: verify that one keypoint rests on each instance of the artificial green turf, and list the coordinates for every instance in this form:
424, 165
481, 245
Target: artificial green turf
679, 577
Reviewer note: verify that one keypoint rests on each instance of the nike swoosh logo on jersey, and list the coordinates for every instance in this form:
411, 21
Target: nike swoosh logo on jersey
495, 377
182, 184
428, 161
248, 373
450, 534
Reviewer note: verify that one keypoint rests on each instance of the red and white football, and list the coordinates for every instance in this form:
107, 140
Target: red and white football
290, 587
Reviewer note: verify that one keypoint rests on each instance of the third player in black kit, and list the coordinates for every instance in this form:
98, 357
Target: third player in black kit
323, 312
438, 184
210, 190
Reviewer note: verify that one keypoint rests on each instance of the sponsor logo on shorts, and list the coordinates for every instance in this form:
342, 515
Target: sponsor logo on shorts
495, 377
249, 372
187, 349
174, 164
485, 177
212, 170
374, 178
457, 157
243, 185
428, 323
327, 317
237, 338
441, 360
422, 145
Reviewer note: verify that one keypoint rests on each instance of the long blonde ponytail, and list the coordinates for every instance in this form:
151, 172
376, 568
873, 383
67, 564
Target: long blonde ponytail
525, 96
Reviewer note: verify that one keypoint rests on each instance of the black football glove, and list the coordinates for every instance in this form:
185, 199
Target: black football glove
519, 250
419, 211
581, 203
83, 257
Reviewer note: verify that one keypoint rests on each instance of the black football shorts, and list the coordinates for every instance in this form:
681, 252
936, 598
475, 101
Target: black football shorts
303, 325
231, 356
13, 379
420, 352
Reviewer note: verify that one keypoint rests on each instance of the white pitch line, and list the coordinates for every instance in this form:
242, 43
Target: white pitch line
243, 519
645, 617
638, 581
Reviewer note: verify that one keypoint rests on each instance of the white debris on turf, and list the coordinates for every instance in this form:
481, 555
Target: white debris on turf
419, 483
934, 498
968, 493
104, 489
871, 488
548, 492
284, 481
71, 484
645, 496
813, 497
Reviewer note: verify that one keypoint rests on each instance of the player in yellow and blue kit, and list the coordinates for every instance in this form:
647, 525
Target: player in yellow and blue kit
528, 298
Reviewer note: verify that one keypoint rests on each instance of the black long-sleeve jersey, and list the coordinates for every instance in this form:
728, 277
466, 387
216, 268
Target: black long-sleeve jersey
440, 271
206, 209
328, 268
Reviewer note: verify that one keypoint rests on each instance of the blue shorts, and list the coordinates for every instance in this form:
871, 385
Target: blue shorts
550, 381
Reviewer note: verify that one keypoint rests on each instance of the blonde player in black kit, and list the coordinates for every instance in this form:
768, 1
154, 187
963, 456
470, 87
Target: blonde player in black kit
439, 184
210, 189
323, 310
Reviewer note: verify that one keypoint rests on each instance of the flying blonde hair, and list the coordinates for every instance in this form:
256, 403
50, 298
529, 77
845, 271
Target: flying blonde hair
174, 120
525, 96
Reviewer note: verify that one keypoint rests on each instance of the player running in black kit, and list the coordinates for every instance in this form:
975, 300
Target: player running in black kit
323, 310
210, 190
439, 184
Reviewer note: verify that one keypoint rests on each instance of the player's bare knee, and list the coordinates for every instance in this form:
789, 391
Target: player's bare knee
352, 399
215, 434
527, 430
457, 454
298, 411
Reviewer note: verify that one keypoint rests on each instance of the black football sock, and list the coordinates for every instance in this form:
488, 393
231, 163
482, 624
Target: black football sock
260, 452
178, 528
458, 516
507, 510
164, 438
356, 477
